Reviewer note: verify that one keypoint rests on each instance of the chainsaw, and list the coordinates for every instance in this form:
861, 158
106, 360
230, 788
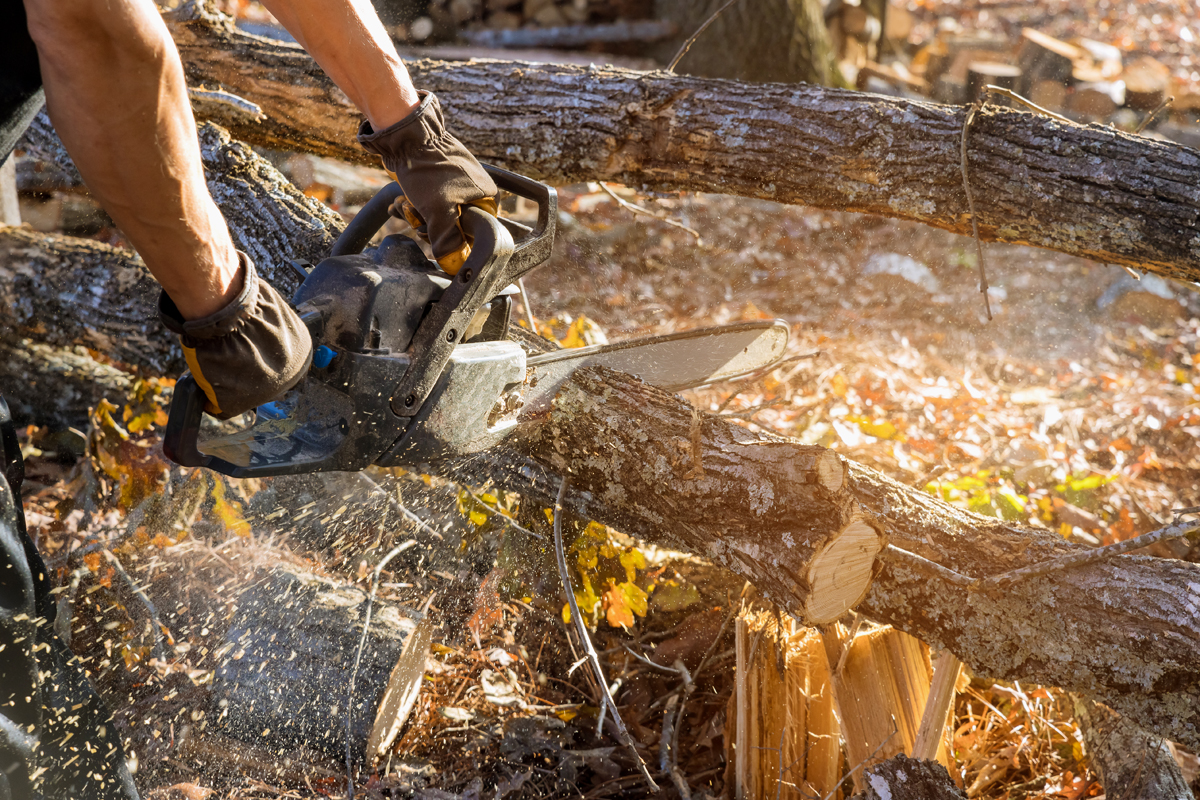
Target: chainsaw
412, 366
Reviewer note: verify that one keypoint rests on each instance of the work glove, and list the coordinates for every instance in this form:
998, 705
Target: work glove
248, 353
438, 176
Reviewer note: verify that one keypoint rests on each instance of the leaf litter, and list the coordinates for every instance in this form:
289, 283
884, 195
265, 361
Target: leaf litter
1056, 414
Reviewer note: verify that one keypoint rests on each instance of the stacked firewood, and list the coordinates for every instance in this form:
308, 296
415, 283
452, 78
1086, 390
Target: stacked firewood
477, 19
1086, 80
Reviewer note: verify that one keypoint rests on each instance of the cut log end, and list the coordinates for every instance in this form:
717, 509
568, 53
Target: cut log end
831, 472
839, 575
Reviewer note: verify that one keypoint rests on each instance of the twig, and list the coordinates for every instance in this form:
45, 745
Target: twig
636, 209
893, 553
983, 284
668, 730
362, 643
493, 511
528, 308
692, 39
1011, 95
581, 630
159, 651
1150, 117
645, 660
1176, 530
398, 507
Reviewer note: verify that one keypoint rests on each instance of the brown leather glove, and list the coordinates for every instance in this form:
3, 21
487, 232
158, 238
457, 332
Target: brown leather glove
248, 353
437, 174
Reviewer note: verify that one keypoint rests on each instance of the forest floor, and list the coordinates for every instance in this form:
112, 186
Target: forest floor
1074, 409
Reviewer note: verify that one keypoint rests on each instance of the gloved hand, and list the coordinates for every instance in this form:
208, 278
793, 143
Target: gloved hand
248, 353
438, 176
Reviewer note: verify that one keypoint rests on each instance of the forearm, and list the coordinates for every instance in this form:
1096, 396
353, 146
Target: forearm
350, 43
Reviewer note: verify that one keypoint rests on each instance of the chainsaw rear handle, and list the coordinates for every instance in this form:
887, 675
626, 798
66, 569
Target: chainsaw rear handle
532, 246
181, 438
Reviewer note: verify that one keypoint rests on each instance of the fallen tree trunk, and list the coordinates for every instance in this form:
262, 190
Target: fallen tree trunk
1089, 191
62, 292
1120, 631
268, 217
1131, 762
55, 386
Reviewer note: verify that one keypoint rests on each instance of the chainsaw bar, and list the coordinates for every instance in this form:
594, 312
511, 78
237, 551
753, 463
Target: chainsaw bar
671, 362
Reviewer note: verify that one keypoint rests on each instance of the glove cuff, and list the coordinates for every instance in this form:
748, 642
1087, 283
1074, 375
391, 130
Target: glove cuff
423, 124
221, 322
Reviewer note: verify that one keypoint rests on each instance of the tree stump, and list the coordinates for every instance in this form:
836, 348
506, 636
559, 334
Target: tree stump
291, 650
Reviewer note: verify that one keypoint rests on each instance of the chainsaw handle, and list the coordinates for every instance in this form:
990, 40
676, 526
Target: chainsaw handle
182, 436
532, 248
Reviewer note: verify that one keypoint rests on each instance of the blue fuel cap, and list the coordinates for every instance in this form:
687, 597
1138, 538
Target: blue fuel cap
322, 356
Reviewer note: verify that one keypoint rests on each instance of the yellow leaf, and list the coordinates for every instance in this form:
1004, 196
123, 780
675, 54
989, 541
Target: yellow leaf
617, 610
229, 512
478, 518
566, 714
632, 560
161, 540
582, 333
839, 385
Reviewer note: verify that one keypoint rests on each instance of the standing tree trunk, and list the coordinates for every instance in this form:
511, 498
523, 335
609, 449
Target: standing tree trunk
760, 41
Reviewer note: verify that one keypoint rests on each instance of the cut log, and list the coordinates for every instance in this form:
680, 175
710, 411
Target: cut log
1050, 95
983, 73
903, 778
1044, 58
1092, 192
1131, 762
722, 497
1120, 630
291, 649
1146, 82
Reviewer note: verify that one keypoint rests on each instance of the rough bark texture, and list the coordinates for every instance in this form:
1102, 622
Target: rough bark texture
1132, 762
1086, 190
1122, 631
722, 499
56, 386
904, 778
63, 291
268, 217
765, 40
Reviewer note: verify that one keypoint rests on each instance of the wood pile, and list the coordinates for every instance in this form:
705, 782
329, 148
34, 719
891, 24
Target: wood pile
531, 23
808, 700
1085, 80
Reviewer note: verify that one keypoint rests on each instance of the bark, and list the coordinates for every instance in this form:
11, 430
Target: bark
1120, 631
1132, 762
903, 778
290, 654
61, 292
1089, 191
268, 217
721, 498
56, 386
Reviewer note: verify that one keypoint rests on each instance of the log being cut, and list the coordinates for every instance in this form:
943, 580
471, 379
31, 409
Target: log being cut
1090, 191
1123, 631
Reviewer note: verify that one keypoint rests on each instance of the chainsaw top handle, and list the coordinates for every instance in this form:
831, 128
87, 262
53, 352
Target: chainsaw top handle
532, 246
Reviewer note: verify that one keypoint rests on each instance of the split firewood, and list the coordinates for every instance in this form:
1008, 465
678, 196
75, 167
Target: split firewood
1131, 761
1044, 58
1098, 193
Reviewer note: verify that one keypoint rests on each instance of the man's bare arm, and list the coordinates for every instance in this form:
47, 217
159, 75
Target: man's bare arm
350, 43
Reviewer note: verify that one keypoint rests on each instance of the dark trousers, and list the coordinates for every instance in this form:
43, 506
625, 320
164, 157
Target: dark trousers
57, 740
